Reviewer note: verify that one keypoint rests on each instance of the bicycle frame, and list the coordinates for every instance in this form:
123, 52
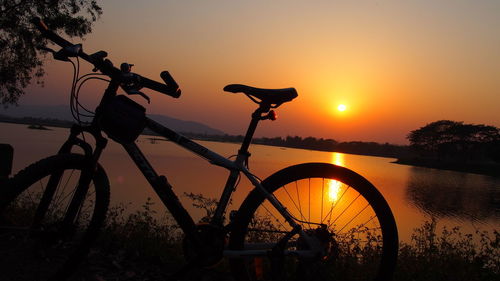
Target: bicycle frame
160, 183
235, 167
164, 189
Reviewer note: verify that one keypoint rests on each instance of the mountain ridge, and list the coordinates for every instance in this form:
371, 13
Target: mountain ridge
62, 112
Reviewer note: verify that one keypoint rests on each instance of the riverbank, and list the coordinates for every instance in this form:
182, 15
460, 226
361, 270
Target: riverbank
489, 169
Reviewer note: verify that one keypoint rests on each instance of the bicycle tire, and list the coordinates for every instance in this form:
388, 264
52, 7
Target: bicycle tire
347, 257
41, 252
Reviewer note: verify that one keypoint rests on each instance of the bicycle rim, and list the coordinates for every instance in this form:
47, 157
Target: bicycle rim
337, 208
47, 249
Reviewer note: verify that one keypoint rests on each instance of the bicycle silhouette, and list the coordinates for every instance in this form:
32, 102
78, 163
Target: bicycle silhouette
288, 227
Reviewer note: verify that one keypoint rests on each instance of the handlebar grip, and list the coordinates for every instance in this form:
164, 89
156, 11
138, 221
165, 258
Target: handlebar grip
172, 91
169, 80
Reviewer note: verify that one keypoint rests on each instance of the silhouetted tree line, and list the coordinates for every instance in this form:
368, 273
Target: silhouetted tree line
298, 142
321, 144
455, 141
373, 149
444, 140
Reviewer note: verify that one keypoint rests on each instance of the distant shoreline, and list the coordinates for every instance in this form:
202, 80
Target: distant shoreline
36, 121
308, 143
488, 169
484, 169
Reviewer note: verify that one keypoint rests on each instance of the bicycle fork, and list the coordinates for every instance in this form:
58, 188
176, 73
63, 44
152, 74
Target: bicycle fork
82, 187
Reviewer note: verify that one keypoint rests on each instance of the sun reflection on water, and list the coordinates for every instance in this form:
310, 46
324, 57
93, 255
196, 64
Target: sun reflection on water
334, 190
338, 159
333, 185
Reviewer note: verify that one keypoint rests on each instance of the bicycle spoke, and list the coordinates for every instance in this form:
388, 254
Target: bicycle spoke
32, 201
65, 185
297, 207
269, 212
335, 205
354, 217
350, 204
309, 206
322, 195
298, 197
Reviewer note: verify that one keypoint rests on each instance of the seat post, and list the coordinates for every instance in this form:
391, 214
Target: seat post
256, 117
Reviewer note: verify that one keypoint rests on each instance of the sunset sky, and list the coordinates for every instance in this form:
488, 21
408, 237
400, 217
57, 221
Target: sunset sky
395, 65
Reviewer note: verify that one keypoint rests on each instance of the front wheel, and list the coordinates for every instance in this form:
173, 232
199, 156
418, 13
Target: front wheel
41, 243
343, 216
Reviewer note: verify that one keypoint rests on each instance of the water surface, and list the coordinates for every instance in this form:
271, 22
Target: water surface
415, 194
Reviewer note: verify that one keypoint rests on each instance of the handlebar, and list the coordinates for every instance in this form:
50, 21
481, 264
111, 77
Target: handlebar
171, 88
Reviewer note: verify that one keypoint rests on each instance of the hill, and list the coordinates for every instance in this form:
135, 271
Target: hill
60, 115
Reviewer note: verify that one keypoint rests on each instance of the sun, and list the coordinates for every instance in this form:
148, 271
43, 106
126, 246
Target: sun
341, 107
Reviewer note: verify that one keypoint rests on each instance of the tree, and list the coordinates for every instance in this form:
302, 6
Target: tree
456, 140
20, 61
433, 136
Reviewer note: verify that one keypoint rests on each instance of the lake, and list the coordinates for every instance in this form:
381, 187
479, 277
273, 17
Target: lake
414, 194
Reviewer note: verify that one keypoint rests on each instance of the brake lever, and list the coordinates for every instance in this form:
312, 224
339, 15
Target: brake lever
131, 83
131, 86
136, 92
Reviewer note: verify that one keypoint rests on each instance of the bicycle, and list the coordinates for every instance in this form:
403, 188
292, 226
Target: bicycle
312, 221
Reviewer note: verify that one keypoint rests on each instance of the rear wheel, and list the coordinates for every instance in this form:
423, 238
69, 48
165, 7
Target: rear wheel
37, 243
346, 220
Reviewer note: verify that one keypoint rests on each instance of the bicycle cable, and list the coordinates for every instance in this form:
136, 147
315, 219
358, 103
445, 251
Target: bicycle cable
78, 110
76, 85
89, 77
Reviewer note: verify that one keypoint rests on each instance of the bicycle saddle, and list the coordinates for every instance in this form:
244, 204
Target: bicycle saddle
272, 97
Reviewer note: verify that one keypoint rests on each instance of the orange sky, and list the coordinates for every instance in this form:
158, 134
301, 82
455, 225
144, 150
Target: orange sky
397, 65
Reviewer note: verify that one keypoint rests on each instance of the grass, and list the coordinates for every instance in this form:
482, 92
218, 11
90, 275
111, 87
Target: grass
449, 254
143, 243
139, 246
